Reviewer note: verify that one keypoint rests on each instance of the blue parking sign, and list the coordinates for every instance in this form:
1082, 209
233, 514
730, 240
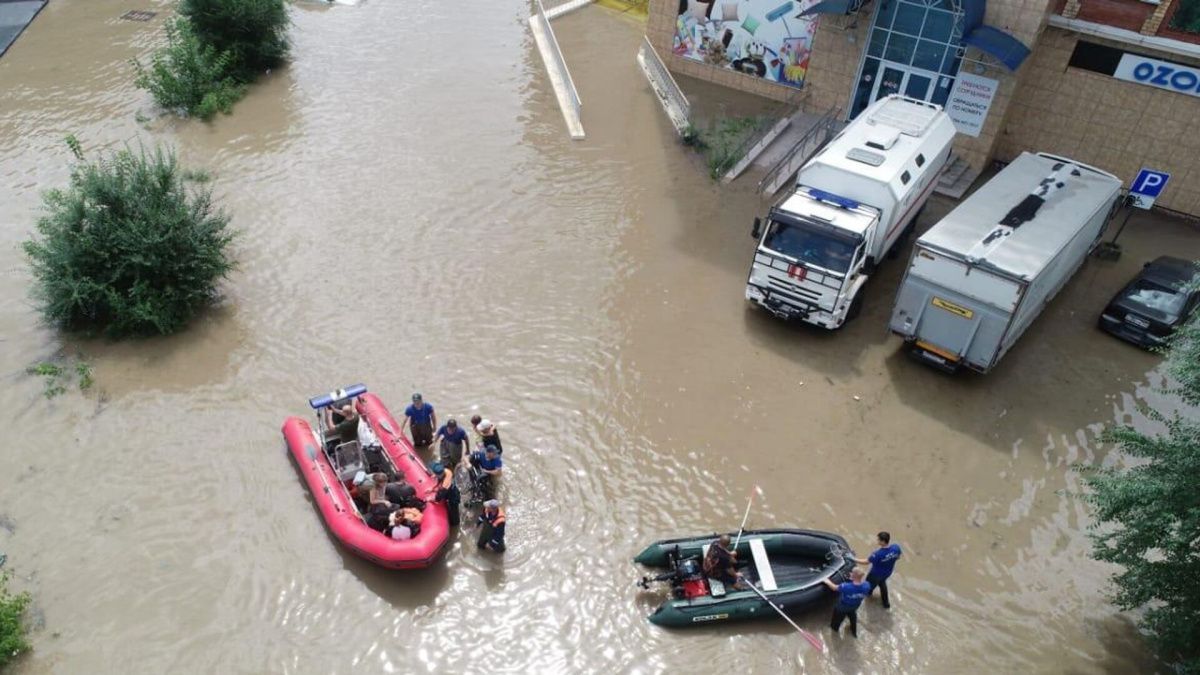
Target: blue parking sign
1148, 185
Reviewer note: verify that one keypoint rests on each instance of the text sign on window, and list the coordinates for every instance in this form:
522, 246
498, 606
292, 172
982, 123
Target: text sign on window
969, 102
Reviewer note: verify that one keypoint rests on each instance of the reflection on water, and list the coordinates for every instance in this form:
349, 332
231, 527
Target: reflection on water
414, 216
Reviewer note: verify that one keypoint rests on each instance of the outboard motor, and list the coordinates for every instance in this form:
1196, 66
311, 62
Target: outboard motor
691, 580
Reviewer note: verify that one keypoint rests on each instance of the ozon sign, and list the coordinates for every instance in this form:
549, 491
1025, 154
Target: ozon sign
1161, 74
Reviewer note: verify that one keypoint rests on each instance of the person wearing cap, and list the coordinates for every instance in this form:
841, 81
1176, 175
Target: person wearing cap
421, 418
491, 536
487, 467
447, 491
452, 443
489, 435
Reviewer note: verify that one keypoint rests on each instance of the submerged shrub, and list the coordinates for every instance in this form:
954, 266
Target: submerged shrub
128, 248
12, 628
253, 32
189, 77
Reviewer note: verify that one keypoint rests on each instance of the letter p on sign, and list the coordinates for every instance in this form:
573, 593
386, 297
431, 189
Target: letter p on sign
1147, 186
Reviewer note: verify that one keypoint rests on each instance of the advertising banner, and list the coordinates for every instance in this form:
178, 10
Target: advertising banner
763, 38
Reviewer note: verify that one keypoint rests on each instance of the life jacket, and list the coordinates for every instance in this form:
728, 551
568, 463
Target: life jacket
498, 519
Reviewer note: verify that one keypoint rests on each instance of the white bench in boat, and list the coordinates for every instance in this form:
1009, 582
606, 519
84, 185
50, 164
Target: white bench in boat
716, 587
765, 574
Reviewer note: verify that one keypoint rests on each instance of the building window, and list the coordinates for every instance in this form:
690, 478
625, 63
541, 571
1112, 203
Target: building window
1187, 16
915, 49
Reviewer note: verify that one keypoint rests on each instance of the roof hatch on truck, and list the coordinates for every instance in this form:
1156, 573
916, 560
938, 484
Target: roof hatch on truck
905, 115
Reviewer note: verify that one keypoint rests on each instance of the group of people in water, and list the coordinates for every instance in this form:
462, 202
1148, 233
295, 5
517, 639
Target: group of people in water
391, 506
721, 563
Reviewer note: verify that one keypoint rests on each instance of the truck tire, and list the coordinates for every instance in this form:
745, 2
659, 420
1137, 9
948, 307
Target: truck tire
856, 306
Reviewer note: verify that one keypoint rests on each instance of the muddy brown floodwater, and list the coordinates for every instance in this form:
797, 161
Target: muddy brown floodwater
588, 295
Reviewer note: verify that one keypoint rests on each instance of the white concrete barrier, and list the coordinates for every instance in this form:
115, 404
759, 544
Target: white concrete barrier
556, 66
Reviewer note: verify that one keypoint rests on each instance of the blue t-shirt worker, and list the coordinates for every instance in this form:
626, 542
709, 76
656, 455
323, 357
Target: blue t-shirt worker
451, 440
487, 467
421, 418
850, 595
883, 563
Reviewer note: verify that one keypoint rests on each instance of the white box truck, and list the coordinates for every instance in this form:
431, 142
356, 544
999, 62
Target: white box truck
979, 277
853, 201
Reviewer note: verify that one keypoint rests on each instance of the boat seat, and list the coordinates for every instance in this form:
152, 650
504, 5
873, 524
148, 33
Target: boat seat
763, 565
348, 460
715, 586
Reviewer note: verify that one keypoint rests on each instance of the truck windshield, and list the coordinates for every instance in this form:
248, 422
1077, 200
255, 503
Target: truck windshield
810, 245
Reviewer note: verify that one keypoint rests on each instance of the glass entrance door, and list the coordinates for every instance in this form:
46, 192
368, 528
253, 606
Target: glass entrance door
915, 49
896, 79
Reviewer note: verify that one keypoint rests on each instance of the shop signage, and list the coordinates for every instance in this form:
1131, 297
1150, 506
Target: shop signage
1162, 74
969, 102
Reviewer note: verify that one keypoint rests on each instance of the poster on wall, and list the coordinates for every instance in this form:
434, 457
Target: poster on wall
969, 102
763, 38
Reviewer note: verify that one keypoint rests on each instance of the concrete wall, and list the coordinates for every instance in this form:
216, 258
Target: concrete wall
1115, 125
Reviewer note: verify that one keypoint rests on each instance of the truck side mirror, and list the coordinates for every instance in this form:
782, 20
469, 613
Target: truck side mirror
757, 231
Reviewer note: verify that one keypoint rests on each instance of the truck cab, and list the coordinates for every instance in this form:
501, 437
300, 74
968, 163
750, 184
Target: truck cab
851, 205
811, 252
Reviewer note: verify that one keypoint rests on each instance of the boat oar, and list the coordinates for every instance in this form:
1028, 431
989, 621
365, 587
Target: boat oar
745, 516
812, 639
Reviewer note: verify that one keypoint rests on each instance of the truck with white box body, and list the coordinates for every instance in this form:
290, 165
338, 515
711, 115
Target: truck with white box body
980, 276
853, 202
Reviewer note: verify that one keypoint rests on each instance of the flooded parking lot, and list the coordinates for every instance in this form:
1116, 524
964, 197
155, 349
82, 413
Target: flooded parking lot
414, 216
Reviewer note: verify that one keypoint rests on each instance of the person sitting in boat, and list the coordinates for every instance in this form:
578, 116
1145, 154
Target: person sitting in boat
488, 467
488, 434
379, 516
721, 564
399, 530
447, 491
491, 537
360, 487
452, 443
421, 418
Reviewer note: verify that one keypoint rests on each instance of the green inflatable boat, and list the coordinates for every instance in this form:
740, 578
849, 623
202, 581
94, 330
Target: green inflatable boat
788, 566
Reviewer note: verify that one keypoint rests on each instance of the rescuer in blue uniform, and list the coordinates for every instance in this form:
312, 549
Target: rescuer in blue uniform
850, 596
883, 563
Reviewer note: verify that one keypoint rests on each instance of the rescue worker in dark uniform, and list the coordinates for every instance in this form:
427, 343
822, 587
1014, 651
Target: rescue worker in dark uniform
491, 535
447, 491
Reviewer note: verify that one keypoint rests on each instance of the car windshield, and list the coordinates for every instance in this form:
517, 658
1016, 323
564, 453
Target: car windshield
1160, 301
810, 245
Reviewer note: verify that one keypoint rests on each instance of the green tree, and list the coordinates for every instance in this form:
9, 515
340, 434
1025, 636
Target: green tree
254, 32
12, 629
128, 248
188, 76
1148, 515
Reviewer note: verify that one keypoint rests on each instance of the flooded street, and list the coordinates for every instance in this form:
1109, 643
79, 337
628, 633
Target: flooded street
414, 216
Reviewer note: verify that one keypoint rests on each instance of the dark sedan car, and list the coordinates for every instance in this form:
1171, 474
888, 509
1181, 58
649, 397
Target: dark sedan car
1160, 298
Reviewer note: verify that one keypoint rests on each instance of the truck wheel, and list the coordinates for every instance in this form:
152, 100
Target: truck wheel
855, 308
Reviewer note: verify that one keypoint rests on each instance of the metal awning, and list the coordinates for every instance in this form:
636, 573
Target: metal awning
832, 7
991, 40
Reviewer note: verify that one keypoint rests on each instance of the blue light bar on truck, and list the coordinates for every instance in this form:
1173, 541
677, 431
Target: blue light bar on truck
824, 196
318, 402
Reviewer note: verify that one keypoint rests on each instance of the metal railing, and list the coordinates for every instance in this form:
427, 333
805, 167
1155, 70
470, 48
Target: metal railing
812, 141
673, 100
556, 54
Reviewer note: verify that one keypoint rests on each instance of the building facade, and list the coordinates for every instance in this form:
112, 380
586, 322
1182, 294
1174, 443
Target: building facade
1111, 83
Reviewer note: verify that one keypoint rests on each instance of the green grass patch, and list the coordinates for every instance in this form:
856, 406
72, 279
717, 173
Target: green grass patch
13, 641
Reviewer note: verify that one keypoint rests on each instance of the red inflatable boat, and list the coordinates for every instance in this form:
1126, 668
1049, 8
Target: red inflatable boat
330, 470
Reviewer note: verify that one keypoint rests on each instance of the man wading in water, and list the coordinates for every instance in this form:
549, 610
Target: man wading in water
883, 563
422, 419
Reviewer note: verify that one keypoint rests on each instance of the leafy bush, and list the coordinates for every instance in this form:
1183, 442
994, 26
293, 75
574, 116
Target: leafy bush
128, 248
723, 142
254, 32
188, 76
1148, 516
12, 630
